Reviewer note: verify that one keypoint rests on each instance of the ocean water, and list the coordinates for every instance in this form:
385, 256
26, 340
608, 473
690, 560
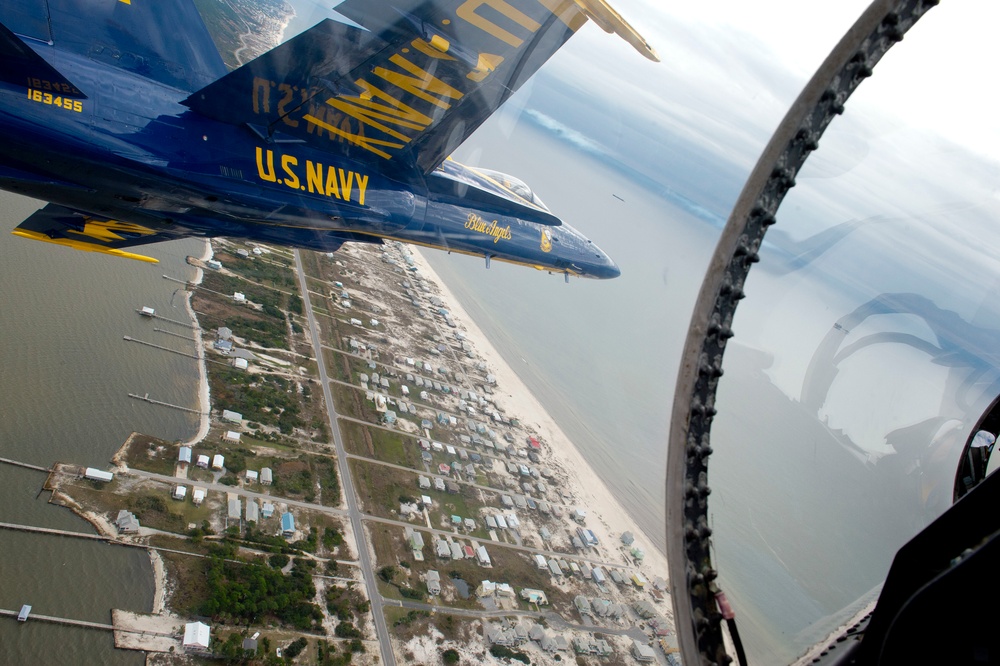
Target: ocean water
66, 373
601, 356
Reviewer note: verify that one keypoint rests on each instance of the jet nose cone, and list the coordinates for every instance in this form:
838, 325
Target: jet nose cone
603, 268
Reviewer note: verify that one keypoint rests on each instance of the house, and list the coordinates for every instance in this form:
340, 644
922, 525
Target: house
239, 297
642, 652
218, 461
486, 589
639, 580
456, 551
452, 487
533, 596
266, 477
232, 417
507, 501
416, 540
179, 493
253, 512
196, 637
202, 462
540, 561
433, 582
198, 496
627, 538
554, 568
184, 455
423, 482
582, 605
470, 524
598, 575
287, 524
267, 510
545, 534
224, 346
501, 522
483, 556
439, 484
442, 549
468, 552
126, 522
235, 509
241, 363
251, 476
426, 500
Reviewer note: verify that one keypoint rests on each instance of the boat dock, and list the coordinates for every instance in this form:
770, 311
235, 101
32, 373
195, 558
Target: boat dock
149, 312
129, 338
58, 620
50, 530
176, 335
18, 463
146, 398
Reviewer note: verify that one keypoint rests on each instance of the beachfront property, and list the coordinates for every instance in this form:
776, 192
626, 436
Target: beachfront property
232, 436
203, 461
126, 522
197, 636
184, 455
218, 461
231, 416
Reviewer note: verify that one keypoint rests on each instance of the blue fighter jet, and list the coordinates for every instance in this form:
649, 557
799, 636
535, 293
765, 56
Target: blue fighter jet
122, 115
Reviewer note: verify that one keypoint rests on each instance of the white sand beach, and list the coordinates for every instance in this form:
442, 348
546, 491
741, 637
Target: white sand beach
605, 514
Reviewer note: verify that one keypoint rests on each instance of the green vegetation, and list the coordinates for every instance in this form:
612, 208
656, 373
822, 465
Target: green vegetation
295, 648
268, 399
253, 592
450, 656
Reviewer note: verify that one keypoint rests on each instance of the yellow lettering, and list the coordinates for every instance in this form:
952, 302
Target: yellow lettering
331, 183
346, 185
357, 139
314, 177
370, 112
362, 186
287, 162
267, 174
467, 11
261, 95
420, 84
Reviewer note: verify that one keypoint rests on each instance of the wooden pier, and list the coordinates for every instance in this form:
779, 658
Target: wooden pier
153, 315
18, 463
176, 335
146, 398
17, 527
129, 338
59, 620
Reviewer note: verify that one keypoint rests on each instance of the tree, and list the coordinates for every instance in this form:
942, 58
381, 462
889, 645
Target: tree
450, 656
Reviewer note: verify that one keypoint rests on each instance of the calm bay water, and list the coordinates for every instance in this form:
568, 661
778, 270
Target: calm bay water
66, 373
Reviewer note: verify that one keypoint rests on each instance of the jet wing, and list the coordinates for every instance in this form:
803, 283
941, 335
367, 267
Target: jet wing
82, 231
166, 41
405, 92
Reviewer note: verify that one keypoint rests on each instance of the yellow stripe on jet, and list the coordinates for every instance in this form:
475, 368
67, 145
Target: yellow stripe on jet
83, 246
604, 15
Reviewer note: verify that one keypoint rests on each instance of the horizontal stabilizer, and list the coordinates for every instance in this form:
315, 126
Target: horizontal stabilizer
81, 231
21, 66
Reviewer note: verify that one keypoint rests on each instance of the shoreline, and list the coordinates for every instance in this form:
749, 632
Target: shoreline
517, 400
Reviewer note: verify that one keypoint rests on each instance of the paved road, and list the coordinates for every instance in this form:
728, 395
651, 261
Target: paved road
378, 616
